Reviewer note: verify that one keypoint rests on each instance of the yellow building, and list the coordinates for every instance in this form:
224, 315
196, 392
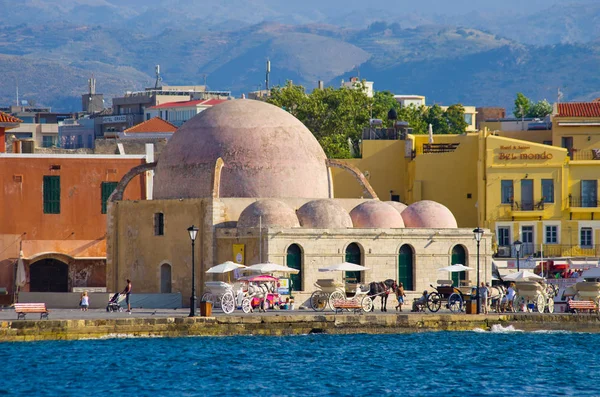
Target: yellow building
517, 185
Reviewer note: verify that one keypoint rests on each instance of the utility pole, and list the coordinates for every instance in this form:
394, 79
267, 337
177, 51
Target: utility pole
267, 76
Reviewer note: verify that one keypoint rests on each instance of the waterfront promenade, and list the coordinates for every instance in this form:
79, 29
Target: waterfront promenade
65, 324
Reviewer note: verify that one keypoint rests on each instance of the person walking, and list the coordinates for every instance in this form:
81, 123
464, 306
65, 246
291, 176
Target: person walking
127, 292
484, 293
400, 294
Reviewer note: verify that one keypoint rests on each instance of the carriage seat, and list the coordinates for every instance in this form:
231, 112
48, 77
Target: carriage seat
444, 282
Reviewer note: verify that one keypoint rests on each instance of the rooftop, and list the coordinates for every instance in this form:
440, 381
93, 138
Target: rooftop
199, 102
7, 118
578, 109
155, 124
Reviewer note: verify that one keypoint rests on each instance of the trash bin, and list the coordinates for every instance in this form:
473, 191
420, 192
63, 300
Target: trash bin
206, 309
471, 305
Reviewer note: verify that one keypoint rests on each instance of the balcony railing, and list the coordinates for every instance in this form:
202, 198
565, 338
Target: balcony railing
549, 250
527, 205
585, 154
583, 202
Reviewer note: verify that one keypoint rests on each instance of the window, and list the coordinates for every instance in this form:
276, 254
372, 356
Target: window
159, 224
79, 141
47, 141
107, 189
90, 141
51, 194
548, 190
503, 236
589, 193
507, 192
551, 234
586, 237
469, 118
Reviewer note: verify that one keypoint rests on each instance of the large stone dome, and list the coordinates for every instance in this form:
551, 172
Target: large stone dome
267, 152
397, 205
376, 214
323, 214
268, 213
429, 214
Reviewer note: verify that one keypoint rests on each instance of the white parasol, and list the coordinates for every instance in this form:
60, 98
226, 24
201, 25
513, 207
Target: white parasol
272, 268
224, 267
521, 276
345, 267
430, 133
455, 268
21, 279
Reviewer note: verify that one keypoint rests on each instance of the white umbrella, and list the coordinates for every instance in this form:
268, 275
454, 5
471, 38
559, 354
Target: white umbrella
430, 133
224, 267
455, 268
271, 268
21, 275
522, 275
345, 267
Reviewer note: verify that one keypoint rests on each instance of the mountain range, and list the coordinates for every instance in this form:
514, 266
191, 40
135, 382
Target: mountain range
448, 51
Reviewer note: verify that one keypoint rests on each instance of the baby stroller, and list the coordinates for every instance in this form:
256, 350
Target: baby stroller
114, 303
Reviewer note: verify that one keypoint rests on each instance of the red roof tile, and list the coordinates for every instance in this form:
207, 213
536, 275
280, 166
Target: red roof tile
7, 118
201, 102
155, 124
579, 109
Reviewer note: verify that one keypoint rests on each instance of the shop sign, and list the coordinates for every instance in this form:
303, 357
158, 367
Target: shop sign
505, 155
284, 286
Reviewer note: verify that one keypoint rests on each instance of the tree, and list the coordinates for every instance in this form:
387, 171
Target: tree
437, 118
289, 97
540, 109
455, 116
415, 117
522, 105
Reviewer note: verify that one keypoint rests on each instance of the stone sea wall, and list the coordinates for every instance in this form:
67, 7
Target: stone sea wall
29, 330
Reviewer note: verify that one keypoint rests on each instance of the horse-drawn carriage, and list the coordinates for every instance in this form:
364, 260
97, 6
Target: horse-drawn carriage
333, 294
445, 293
226, 296
533, 295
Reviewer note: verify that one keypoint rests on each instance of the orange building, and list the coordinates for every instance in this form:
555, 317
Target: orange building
53, 216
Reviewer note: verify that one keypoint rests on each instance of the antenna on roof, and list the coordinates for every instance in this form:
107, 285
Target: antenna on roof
158, 78
92, 85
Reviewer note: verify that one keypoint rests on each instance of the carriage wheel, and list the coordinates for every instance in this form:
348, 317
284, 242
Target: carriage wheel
434, 302
550, 305
227, 302
455, 303
540, 303
367, 304
318, 301
246, 305
206, 297
335, 296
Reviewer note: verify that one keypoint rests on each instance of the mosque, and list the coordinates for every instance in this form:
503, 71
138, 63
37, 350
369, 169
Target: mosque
259, 187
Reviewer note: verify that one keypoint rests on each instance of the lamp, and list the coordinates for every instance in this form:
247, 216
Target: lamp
518, 244
478, 232
193, 231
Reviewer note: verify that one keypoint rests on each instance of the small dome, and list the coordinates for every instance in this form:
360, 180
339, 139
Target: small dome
323, 214
397, 205
376, 214
268, 213
428, 214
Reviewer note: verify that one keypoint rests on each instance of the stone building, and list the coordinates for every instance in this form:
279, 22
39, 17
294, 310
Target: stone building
259, 187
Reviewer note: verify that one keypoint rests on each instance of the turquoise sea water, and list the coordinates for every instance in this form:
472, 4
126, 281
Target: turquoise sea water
421, 364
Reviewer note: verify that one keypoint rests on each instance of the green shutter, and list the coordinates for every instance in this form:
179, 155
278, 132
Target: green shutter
51, 194
405, 267
107, 189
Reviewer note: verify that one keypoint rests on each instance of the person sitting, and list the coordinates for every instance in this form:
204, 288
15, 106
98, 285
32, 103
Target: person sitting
419, 304
575, 274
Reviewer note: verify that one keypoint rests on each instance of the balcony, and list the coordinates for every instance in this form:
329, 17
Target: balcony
585, 154
586, 205
527, 209
549, 251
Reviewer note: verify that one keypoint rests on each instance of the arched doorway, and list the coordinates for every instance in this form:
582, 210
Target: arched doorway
354, 255
294, 260
459, 257
405, 267
165, 278
49, 275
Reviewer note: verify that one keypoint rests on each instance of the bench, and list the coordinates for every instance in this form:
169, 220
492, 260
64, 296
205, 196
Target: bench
575, 306
23, 308
347, 304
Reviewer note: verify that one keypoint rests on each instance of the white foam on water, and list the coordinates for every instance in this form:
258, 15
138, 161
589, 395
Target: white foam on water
122, 336
499, 329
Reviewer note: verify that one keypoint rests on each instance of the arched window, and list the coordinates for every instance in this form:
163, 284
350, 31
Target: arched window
406, 267
354, 255
459, 257
165, 278
294, 260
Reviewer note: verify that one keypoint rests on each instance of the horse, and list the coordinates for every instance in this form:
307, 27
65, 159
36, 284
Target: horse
383, 289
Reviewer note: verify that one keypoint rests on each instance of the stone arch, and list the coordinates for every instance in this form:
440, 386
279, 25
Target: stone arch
49, 274
459, 255
406, 266
216, 193
354, 253
117, 194
358, 175
295, 260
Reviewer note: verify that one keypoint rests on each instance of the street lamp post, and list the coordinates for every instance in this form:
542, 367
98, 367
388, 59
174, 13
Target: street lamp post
193, 231
518, 244
478, 235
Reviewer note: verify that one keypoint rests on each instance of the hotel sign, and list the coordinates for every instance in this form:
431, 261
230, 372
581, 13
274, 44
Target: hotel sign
507, 154
114, 119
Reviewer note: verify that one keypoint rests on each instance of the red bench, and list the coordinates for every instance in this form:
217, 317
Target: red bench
575, 306
23, 308
347, 304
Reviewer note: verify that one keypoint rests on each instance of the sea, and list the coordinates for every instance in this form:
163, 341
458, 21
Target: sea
501, 362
